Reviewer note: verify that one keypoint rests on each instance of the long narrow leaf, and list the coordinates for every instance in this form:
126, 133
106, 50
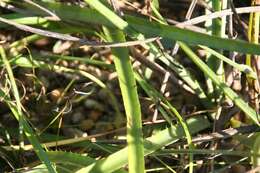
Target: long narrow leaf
75, 13
227, 91
131, 103
161, 139
18, 114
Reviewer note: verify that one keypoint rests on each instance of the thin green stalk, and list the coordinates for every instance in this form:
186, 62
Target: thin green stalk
86, 60
128, 88
216, 65
159, 140
25, 62
19, 18
107, 13
241, 67
207, 152
167, 105
215, 29
131, 103
216, 23
253, 60
187, 134
18, 113
227, 91
146, 27
256, 150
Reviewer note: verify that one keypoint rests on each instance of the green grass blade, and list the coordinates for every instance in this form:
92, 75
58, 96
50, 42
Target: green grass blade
131, 103
227, 91
207, 152
144, 26
153, 92
161, 139
256, 150
74, 159
190, 37
17, 111
128, 88
107, 13
241, 67
25, 62
86, 60
214, 28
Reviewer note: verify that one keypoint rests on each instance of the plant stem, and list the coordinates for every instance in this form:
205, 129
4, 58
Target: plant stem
131, 103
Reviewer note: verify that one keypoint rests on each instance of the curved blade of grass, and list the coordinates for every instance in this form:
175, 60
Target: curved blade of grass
256, 150
17, 111
151, 144
24, 20
190, 37
86, 60
128, 88
154, 93
214, 28
107, 13
227, 91
68, 160
179, 68
183, 73
241, 67
75, 159
206, 152
25, 62
131, 103
133, 24
165, 58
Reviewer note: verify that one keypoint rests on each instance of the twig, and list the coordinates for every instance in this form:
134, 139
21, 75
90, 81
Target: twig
53, 16
12, 8
63, 142
191, 9
187, 17
159, 69
236, 16
227, 133
116, 8
218, 14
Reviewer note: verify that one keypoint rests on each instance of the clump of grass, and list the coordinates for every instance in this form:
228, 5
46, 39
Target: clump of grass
147, 145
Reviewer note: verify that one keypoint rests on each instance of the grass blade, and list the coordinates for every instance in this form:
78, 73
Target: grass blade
128, 88
227, 91
131, 103
17, 111
161, 139
144, 26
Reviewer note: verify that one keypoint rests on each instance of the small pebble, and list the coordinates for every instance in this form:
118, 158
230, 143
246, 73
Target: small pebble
77, 117
94, 115
72, 132
238, 169
93, 104
55, 94
104, 126
87, 124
